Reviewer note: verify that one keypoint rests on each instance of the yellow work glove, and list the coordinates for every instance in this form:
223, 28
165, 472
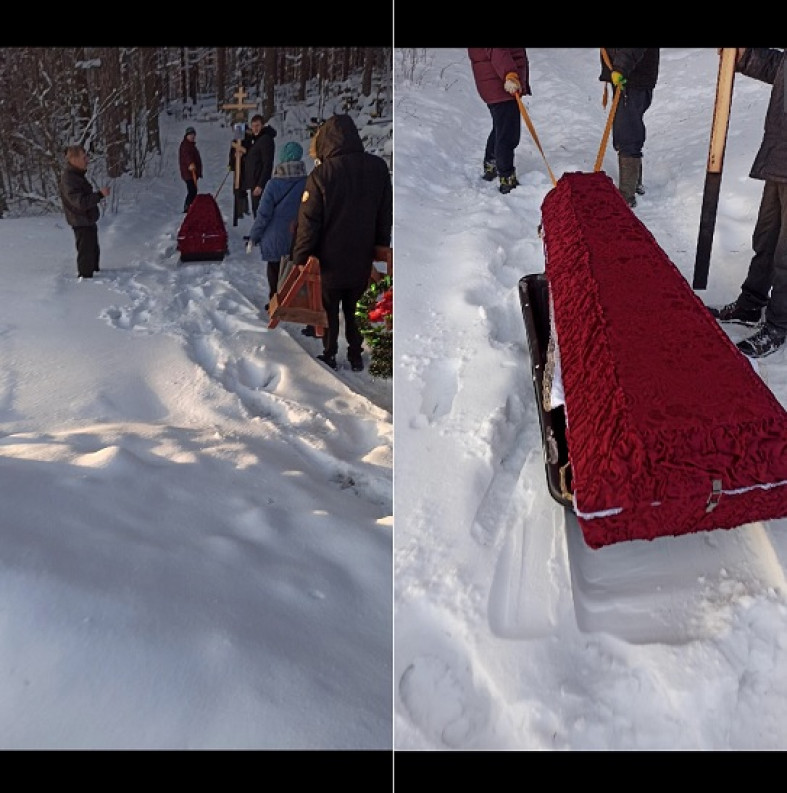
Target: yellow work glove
618, 80
512, 84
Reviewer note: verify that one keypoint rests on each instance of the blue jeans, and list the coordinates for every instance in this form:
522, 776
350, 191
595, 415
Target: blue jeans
628, 126
504, 137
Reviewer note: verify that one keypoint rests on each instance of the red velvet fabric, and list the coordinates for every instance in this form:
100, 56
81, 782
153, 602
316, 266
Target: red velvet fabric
659, 402
202, 231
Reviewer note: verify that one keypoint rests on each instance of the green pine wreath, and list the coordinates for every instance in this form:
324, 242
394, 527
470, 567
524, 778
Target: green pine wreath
374, 317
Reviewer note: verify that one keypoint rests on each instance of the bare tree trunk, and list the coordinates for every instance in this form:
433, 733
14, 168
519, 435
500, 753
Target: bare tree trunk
151, 77
111, 110
303, 74
184, 75
221, 75
368, 71
269, 107
193, 73
343, 59
321, 68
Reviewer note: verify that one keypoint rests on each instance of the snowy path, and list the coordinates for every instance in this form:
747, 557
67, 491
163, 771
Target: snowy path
198, 512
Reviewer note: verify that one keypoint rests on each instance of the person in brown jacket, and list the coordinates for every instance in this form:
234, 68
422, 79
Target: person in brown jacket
500, 74
80, 206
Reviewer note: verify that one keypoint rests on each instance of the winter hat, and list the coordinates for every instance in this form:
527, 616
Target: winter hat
291, 152
191, 131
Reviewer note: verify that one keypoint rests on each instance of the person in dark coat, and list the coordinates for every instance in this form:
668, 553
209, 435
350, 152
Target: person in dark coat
765, 285
500, 74
346, 211
80, 205
190, 165
258, 160
245, 141
274, 225
636, 71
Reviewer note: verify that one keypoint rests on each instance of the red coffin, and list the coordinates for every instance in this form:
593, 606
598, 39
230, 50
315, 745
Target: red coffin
669, 428
202, 234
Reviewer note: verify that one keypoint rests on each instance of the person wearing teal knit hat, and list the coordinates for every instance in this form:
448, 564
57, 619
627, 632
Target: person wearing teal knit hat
291, 152
274, 222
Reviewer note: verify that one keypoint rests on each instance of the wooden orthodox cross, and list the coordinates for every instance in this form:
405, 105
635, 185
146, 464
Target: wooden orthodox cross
240, 107
239, 152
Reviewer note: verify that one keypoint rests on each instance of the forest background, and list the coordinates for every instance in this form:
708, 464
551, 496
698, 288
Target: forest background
110, 99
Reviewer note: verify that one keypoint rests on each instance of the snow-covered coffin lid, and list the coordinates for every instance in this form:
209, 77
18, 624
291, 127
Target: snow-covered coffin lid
669, 428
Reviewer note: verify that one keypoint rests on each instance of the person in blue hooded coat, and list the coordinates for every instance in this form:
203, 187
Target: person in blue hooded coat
274, 223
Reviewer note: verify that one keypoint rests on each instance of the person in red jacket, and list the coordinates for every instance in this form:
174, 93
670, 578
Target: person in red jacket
190, 165
500, 74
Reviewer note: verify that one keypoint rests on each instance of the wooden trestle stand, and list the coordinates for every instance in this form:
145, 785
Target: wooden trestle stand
299, 297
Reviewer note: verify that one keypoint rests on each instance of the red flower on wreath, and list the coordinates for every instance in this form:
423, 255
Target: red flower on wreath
374, 314
383, 308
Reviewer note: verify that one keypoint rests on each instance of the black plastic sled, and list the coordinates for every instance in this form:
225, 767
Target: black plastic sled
534, 299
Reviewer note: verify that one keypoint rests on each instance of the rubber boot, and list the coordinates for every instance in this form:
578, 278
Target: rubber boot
628, 174
640, 189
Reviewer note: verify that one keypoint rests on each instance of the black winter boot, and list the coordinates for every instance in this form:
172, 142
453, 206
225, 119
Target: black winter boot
628, 174
734, 312
766, 341
490, 171
330, 360
508, 183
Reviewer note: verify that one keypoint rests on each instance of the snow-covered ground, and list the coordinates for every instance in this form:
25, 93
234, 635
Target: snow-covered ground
510, 634
197, 514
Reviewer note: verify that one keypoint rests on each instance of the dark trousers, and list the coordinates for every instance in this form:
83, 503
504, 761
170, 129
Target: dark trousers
191, 194
242, 202
347, 299
255, 203
504, 137
628, 126
766, 282
88, 252
273, 277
